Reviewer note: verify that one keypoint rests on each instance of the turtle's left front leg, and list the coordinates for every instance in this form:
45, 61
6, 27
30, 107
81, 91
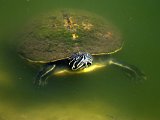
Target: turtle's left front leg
131, 70
44, 73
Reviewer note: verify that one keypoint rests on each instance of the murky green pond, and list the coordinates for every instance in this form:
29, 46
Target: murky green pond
105, 94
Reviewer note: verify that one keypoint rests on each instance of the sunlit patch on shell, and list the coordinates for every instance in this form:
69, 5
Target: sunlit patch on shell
70, 25
87, 26
108, 35
74, 36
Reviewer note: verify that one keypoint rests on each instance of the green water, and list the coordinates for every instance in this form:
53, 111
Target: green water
106, 94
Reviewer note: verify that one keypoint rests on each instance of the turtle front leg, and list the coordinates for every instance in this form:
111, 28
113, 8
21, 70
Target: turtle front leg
43, 74
131, 70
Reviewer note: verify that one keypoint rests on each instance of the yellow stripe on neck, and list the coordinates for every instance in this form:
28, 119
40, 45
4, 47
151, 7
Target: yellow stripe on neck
85, 70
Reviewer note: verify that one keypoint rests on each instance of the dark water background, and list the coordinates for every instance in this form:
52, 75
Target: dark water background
106, 94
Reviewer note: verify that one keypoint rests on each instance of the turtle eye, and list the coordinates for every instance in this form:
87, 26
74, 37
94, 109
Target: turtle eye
89, 64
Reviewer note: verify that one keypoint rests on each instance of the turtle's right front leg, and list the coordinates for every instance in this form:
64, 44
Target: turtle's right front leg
43, 74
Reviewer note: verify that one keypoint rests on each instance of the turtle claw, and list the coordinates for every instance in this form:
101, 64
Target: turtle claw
40, 82
135, 74
42, 76
131, 71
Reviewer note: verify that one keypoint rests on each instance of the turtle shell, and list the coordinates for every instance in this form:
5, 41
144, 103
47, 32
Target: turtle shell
57, 35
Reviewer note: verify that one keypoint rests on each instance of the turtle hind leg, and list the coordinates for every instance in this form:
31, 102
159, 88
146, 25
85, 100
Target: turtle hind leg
131, 70
43, 74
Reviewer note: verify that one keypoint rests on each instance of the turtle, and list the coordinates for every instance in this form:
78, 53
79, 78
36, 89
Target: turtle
72, 41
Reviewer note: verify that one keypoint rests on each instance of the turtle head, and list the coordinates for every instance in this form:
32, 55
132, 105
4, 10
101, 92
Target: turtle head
80, 60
